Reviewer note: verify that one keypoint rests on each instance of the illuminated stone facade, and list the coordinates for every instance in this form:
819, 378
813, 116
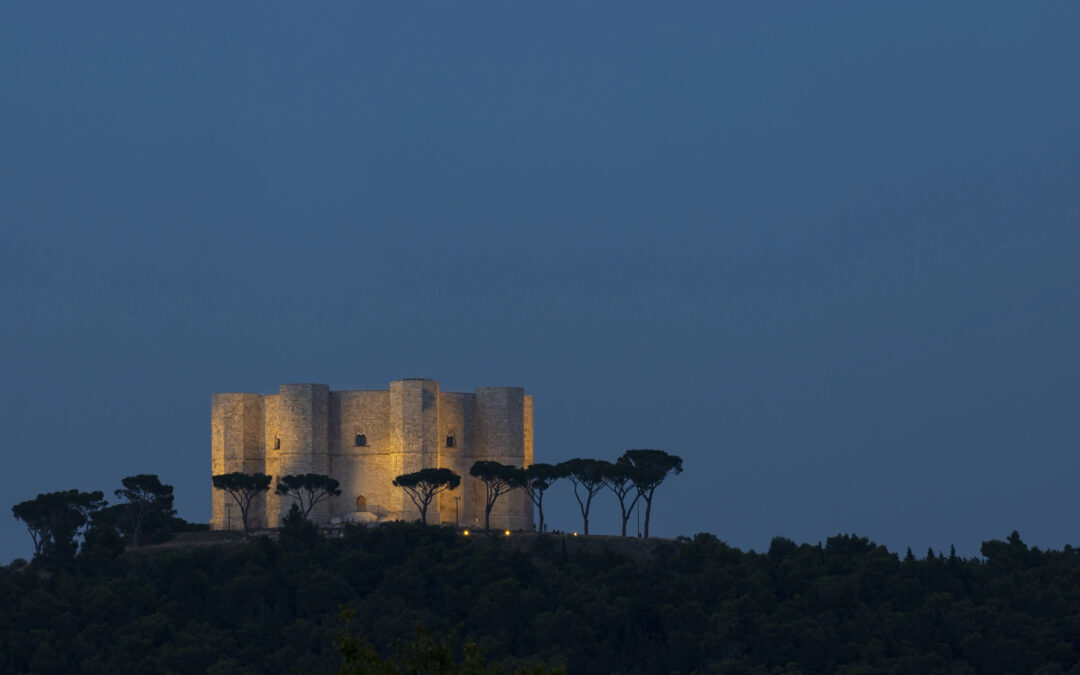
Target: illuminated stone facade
364, 439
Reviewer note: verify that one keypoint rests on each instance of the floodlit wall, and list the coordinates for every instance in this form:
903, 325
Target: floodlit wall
364, 439
501, 438
236, 443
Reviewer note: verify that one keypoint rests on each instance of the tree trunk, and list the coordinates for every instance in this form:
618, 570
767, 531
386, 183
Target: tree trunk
625, 516
648, 510
243, 511
540, 508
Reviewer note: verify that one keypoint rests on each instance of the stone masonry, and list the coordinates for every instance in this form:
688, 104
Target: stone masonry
364, 439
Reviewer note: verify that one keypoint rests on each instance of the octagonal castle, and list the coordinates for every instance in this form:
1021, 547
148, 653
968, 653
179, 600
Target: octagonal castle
364, 439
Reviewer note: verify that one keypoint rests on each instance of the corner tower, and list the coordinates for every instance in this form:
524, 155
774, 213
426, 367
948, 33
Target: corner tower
414, 418
236, 444
301, 443
501, 423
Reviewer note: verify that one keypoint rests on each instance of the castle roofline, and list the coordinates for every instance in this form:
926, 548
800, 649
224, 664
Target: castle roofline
407, 379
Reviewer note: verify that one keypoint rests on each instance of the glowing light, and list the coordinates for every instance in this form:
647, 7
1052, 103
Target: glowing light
507, 533
466, 533
575, 534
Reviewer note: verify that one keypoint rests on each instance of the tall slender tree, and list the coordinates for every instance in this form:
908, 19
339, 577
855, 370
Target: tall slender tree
651, 468
587, 475
308, 490
243, 488
619, 478
538, 478
422, 486
498, 479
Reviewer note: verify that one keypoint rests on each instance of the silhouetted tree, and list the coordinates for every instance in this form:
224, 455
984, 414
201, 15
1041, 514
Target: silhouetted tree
538, 478
55, 519
1011, 553
298, 531
422, 486
308, 490
588, 475
145, 499
619, 478
36, 514
651, 468
781, 547
243, 488
498, 479
102, 543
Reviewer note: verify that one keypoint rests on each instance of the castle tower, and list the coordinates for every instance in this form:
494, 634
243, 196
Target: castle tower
414, 414
236, 444
500, 416
301, 444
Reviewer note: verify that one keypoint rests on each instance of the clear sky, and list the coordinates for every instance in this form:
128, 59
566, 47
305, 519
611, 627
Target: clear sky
826, 252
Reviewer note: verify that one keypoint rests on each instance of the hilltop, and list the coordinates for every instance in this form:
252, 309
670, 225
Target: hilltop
534, 544
596, 604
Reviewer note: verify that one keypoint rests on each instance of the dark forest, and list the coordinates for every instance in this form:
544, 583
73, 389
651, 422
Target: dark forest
689, 605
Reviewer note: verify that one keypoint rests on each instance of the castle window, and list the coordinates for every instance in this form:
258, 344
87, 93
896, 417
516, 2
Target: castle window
361, 503
277, 442
450, 439
361, 439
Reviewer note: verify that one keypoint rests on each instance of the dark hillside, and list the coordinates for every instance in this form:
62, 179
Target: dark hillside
848, 606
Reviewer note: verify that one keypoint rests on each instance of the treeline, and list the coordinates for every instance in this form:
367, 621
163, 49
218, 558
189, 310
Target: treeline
633, 477
696, 605
58, 521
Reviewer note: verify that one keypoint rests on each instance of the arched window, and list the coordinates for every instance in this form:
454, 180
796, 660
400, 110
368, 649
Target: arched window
361, 439
277, 442
361, 503
450, 439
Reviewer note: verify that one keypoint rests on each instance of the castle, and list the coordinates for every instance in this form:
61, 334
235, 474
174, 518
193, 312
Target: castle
364, 439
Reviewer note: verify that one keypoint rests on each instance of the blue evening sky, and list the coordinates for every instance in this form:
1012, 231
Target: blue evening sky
827, 252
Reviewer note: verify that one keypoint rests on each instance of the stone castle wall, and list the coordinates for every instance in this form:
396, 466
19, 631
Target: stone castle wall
306, 428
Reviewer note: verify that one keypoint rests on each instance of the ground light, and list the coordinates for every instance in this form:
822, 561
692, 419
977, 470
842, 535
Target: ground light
507, 533
466, 533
